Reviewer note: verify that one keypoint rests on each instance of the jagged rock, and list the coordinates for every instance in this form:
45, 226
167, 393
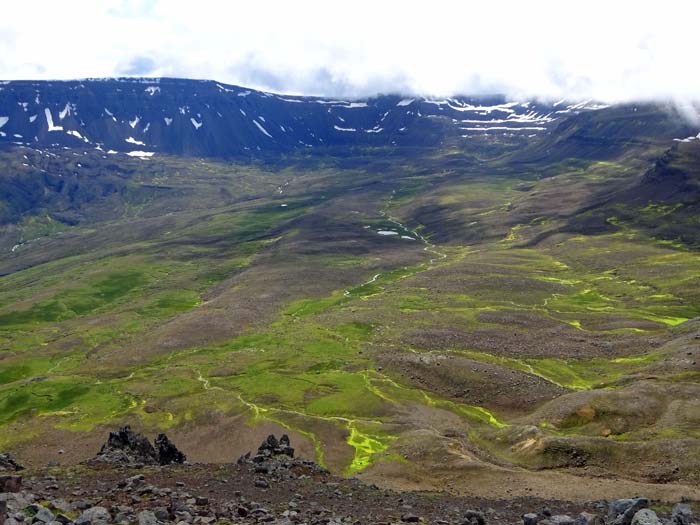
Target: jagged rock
622, 511
167, 452
530, 518
10, 483
271, 447
132, 448
63, 519
410, 518
94, 516
8, 464
682, 514
474, 517
646, 517
128, 447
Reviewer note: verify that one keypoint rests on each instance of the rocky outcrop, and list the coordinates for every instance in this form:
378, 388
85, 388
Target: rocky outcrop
132, 448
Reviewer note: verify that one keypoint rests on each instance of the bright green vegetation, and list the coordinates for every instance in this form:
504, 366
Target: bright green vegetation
208, 304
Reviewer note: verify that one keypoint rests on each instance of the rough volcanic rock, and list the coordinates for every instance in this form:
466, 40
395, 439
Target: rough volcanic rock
131, 448
167, 452
273, 447
127, 447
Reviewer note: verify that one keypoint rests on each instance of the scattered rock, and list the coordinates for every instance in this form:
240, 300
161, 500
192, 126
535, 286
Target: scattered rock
530, 518
94, 516
262, 483
682, 514
622, 511
561, 519
586, 518
474, 517
410, 518
646, 517
41, 514
146, 517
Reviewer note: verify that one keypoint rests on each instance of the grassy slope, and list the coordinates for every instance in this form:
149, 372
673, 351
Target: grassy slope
206, 301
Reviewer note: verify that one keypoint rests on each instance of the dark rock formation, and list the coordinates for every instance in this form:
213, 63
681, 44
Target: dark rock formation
272, 447
128, 447
167, 452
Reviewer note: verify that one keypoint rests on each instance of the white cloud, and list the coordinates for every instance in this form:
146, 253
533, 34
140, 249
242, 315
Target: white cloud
611, 50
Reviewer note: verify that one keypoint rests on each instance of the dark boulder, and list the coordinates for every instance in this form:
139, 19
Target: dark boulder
10, 483
8, 464
167, 451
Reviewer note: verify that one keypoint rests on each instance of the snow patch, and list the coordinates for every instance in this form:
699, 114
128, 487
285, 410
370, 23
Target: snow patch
142, 154
75, 133
168, 121
31, 119
387, 232
344, 129
152, 90
196, 124
49, 121
406, 102
261, 128
132, 140
134, 122
66, 112
4, 120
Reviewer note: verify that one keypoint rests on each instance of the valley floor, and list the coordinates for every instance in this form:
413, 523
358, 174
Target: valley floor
422, 325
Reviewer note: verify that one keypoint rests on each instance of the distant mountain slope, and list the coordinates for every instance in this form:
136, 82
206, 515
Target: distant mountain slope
143, 116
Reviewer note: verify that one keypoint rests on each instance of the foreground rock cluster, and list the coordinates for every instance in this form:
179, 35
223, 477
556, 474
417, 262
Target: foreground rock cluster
133, 482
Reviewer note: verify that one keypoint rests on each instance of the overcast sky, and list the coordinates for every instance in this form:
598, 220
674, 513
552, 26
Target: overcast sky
609, 50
